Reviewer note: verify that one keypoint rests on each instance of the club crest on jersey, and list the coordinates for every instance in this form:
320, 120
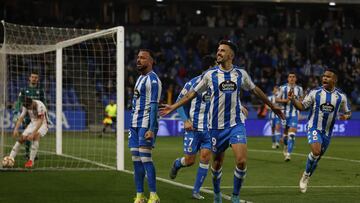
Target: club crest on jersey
227, 86
136, 94
206, 97
327, 107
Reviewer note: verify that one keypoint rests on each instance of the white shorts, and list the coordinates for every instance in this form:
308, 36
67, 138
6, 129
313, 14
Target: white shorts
31, 127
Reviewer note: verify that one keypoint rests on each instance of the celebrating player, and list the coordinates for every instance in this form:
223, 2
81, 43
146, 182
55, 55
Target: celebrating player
144, 125
324, 102
195, 117
290, 112
275, 121
37, 128
34, 91
226, 125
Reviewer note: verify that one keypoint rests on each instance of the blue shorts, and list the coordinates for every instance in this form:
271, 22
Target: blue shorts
222, 139
196, 140
137, 138
275, 121
317, 136
291, 122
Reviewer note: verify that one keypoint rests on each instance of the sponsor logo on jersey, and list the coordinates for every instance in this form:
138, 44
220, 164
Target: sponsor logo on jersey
227, 86
327, 107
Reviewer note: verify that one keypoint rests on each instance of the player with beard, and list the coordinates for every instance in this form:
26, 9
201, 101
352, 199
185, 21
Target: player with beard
144, 125
324, 103
226, 123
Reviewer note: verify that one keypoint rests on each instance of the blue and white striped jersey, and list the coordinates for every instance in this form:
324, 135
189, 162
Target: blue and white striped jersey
147, 90
324, 106
198, 109
272, 115
289, 108
225, 104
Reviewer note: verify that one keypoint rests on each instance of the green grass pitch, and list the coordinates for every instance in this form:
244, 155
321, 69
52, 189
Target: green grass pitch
269, 178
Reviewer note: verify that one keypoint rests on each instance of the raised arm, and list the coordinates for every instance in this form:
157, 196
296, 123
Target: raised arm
165, 110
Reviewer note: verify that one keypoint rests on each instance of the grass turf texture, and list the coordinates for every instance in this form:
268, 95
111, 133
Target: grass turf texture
269, 178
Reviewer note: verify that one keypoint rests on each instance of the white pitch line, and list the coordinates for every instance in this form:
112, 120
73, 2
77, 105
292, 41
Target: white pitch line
203, 189
292, 186
299, 154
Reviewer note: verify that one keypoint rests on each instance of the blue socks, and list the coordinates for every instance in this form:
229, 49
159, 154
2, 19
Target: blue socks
216, 179
291, 142
139, 171
179, 163
146, 159
200, 176
311, 163
239, 176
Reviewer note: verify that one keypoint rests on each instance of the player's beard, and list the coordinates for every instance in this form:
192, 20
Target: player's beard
140, 67
219, 59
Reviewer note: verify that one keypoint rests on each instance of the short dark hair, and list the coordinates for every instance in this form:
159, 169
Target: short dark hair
151, 53
232, 45
207, 61
332, 70
291, 73
33, 71
27, 101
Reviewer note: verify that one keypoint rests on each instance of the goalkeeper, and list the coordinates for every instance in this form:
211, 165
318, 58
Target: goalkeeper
33, 91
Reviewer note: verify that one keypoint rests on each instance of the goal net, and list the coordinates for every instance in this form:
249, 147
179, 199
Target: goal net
80, 71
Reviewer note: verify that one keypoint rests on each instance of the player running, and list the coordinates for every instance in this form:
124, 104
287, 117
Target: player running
291, 114
226, 125
324, 103
196, 137
274, 121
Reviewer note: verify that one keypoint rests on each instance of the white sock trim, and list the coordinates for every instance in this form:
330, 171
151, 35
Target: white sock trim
15, 149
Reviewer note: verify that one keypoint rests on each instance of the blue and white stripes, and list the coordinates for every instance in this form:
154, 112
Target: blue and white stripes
225, 104
324, 106
147, 90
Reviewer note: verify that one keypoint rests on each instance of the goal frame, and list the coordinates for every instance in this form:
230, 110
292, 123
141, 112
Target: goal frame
119, 32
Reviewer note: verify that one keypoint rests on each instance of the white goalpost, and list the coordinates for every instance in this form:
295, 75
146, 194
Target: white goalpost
80, 71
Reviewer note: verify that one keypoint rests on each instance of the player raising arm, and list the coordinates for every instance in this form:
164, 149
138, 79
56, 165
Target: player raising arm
226, 124
324, 102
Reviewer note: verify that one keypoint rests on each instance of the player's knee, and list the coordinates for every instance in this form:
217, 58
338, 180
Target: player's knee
205, 156
189, 160
241, 162
316, 152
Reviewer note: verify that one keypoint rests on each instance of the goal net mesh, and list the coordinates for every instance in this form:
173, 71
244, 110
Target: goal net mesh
88, 84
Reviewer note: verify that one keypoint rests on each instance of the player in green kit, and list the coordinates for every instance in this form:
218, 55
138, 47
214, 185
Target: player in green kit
33, 91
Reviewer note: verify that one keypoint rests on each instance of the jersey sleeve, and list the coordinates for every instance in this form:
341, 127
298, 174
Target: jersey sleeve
345, 105
308, 100
155, 90
41, 109
23, 112
185, 90
202, 86
247, 84
280, 93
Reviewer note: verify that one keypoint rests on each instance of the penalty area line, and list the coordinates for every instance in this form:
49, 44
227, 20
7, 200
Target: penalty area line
203, 189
